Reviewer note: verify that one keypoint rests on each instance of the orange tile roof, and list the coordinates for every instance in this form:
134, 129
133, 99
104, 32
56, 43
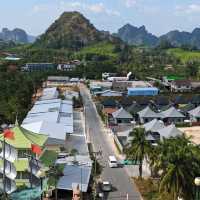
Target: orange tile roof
109, 110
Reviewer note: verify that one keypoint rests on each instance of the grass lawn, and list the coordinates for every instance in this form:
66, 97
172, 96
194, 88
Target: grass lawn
49, 158
149, 190
101, 48
184, 55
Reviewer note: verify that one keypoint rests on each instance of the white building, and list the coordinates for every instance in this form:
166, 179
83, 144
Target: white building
51, 117
49, 93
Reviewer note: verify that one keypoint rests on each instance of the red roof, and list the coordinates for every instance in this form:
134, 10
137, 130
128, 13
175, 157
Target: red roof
109, 110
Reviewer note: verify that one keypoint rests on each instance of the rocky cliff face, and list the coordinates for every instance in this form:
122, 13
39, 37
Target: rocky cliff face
71, 30
140, 36
17, 35
137, 35
177, 38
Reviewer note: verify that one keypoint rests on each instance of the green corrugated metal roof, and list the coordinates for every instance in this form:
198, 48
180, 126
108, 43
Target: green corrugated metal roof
24, 138
21, 165
173, 78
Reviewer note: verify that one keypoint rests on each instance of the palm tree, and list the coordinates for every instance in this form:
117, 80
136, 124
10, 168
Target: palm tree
179, 164
139, 148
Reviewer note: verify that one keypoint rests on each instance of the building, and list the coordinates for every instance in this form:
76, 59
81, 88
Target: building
12, 58
195, 85
168, 79
105, 75
69, 95
181, 86
147, 91
77, 170
147, 115
109, 93
51, 117
195, 114
123, 86
196, 99
66, 67
122, 116
99, 86
54, 81
169, 131
134, 108
38, 67
161, 102
152, 128
22, 143
49, 93
109, 103
172, 115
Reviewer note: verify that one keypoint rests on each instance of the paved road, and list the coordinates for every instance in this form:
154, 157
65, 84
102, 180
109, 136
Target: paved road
121, 182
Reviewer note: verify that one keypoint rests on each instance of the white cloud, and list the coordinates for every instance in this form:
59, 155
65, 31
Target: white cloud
96, 8
130, 3
188, 9
100, 8
40, 8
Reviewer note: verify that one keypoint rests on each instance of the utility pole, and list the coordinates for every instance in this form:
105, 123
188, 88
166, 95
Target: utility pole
85, 122
95, 154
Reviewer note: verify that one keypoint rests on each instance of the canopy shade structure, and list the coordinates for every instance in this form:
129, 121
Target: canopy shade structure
148, 113
171, 113
122, 114
154, 125
169, 131
24, 138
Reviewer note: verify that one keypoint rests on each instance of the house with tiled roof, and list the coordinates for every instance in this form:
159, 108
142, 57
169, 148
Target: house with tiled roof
23, 139
181, 86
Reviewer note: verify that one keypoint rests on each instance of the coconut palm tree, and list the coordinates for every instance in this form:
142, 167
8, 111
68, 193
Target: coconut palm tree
139, 147
179, 164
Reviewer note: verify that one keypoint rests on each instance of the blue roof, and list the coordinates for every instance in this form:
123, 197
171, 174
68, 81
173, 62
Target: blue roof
74, 175
144, 89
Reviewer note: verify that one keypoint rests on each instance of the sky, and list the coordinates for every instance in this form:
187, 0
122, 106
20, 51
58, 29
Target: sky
159, 16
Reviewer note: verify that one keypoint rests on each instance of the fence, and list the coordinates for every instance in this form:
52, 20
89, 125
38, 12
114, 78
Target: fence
118, 144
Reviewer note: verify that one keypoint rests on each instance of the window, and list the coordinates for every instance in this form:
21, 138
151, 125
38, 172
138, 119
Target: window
25, 175
22, 153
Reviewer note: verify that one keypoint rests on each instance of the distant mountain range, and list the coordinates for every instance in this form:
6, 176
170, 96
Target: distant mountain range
140, 36
136, 36
16, 35
72, 30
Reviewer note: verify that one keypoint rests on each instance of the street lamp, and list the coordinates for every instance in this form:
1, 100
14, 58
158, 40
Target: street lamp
41, 174
197, 184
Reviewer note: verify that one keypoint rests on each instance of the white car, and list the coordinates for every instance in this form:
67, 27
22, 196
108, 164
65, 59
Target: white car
106, 186
113, 162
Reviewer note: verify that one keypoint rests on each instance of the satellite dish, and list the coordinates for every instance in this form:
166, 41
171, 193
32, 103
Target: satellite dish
10, 170
10, 186
10, 153
34, 167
